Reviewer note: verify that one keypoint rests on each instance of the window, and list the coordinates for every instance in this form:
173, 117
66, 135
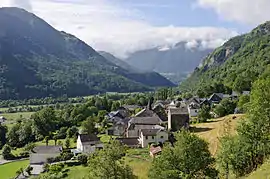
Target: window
153, 137
161, 137
146, 137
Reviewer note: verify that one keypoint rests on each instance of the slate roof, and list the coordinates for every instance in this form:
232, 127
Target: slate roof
194, 105
146, 113
88, 138
131, 107
145, 120
47, 149
180, 110
150, 132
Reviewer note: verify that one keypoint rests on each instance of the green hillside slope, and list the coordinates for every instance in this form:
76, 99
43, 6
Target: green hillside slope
236, 64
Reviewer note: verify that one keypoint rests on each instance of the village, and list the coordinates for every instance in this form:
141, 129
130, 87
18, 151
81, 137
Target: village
150, 128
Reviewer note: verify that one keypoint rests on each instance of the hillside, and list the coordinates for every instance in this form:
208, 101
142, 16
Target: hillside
236, 64
36, 60
175, 62
213, 130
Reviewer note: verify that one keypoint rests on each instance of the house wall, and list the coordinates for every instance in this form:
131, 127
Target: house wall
162, 137
169, 120
137, 128
193, 112
79, 144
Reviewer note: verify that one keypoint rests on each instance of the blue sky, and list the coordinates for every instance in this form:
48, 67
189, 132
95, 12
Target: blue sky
181, 13
124, 26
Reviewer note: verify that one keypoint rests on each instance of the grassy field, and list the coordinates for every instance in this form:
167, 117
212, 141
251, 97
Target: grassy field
213, 130
8, 170
139, 166
140, 161
15, 116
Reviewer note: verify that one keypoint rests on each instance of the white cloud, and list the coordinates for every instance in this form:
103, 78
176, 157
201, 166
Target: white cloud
25, 4
110, 27
245, 11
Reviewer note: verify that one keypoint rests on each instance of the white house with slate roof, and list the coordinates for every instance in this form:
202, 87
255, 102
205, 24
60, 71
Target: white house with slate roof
88, 143
149, 136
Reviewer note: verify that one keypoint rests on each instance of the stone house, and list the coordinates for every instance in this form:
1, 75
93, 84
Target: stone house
178, 118
88, 143
152, 136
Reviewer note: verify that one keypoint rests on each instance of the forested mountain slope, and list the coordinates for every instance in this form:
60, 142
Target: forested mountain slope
36, 60
236, 64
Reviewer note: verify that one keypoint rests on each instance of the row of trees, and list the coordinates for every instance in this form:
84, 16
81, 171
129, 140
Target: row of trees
243, 153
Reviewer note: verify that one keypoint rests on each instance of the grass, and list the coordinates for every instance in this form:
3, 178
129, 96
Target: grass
15, 116
51, 142
8, 170
262, 172
139, 166
140, 161
213, 130
78, 172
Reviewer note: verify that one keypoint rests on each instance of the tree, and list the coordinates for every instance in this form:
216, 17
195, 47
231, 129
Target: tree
242, 154
243, 102
13, 136
226, 106
204, 113
67, 143
115, 105
82, 159
44, 121
6, 153
47, 138
189, 158
3, 132
55, 138
108, 163
88, 126
72, 132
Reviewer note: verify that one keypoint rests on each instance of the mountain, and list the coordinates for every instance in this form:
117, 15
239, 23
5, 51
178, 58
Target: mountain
119, 62
236, 64
175, 62
36, 60
150, 78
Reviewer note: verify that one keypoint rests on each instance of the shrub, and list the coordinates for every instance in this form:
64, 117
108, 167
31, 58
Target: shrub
82, 159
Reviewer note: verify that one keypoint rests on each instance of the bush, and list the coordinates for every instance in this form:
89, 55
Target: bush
83, 159
29, 170
23, 155
6, 153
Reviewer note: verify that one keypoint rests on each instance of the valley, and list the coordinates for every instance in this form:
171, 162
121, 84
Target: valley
127, 98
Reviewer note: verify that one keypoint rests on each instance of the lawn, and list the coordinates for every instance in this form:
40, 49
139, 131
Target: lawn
51, 142
213, 130
8, 170
78, 172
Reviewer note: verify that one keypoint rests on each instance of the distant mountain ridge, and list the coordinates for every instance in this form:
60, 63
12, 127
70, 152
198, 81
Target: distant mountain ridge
179, 59
236, 64
36, 60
